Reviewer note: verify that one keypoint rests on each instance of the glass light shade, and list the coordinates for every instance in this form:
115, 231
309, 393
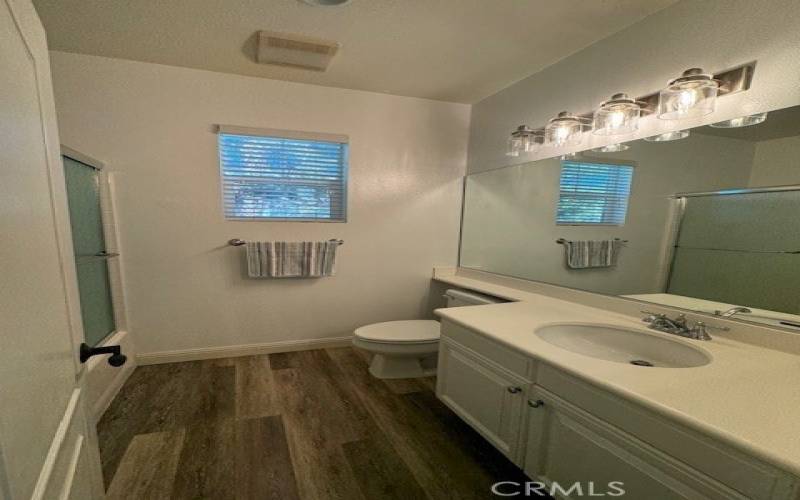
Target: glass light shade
669, 136
692, 95
612, 148
514, 146
742, 121
563, 130
619, 115
523, 140
529, 143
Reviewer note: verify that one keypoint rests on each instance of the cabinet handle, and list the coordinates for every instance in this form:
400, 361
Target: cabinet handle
535, 404
514, 390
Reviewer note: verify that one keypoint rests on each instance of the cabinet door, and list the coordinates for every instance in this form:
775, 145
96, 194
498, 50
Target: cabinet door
583, 454
483, 394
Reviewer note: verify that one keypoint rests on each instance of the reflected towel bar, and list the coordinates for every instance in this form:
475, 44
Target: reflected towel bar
787, 252
236, 242
561, 241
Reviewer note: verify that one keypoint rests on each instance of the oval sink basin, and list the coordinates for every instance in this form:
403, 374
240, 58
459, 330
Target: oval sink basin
623, 346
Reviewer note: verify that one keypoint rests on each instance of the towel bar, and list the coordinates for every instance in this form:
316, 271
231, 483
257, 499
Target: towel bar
561, 241
236, 242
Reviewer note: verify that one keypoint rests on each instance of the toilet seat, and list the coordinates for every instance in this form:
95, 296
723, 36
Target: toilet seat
420, 331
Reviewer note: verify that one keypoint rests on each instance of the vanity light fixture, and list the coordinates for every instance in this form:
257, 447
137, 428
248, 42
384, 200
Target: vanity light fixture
612, 148
691, 95
523, 140
742, 121
564, 130
669, 136
617, 116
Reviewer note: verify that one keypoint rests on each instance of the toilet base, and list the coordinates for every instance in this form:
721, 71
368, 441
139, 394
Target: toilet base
401, 367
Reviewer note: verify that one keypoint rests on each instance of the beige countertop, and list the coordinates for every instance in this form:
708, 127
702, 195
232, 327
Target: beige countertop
748, 396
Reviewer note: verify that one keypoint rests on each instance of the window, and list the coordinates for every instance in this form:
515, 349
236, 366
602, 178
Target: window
593, 194
280, 175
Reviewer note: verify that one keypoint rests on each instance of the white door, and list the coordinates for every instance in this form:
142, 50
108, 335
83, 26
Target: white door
48, 449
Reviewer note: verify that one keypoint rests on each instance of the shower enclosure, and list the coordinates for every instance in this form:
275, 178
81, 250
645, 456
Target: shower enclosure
739, 246
83, 180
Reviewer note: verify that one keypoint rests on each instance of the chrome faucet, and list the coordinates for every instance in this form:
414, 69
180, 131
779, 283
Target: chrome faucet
732, 311
679, 326
662, 323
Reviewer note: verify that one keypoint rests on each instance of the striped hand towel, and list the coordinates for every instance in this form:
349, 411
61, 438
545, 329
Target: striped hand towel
589, 254
291, 259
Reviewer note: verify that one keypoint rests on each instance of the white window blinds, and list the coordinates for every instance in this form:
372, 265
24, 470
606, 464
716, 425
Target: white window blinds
593, 193
280, 175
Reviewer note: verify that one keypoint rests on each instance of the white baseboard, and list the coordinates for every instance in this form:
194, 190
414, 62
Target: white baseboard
103, 380
231, 351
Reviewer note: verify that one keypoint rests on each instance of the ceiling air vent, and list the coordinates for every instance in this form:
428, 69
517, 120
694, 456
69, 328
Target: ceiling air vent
295, 50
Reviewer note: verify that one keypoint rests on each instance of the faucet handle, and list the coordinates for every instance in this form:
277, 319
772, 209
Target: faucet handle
652, 316
701, 324
700, 330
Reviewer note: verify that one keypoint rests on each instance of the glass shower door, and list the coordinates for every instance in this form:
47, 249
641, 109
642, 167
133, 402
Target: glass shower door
91, 258
740, 248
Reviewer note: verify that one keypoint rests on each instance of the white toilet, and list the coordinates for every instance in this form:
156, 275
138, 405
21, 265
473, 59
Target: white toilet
407, 349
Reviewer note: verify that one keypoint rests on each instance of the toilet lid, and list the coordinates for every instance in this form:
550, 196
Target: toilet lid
420, 330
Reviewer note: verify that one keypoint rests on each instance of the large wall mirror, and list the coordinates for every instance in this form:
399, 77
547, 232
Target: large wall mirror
708, 222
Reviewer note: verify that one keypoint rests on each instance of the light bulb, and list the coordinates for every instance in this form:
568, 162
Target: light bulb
616, 116
687, 98
563, 130
616, 119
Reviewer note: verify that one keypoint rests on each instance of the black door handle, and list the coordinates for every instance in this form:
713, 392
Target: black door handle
116, 358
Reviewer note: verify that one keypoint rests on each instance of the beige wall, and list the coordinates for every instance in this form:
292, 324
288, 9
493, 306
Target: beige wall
152, 125
714, 34
777, 162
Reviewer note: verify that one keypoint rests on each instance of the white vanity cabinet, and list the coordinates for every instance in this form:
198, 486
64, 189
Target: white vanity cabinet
480, 390
568, 445
561, 429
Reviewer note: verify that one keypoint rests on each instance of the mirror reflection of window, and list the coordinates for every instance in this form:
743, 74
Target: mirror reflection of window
593, 194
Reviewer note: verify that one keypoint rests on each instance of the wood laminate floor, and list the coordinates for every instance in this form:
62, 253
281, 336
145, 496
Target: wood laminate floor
310, 425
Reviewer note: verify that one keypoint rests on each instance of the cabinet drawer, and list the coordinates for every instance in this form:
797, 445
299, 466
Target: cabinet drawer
495, 352
736, 470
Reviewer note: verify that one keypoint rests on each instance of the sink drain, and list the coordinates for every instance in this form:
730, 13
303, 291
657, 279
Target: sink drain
641, 362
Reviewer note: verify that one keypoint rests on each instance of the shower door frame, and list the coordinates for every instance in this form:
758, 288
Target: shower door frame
110, 240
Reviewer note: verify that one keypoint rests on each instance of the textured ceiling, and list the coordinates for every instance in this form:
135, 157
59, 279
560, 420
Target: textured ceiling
453, 50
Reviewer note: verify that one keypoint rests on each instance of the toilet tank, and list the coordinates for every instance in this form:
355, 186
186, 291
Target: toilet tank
458, 298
